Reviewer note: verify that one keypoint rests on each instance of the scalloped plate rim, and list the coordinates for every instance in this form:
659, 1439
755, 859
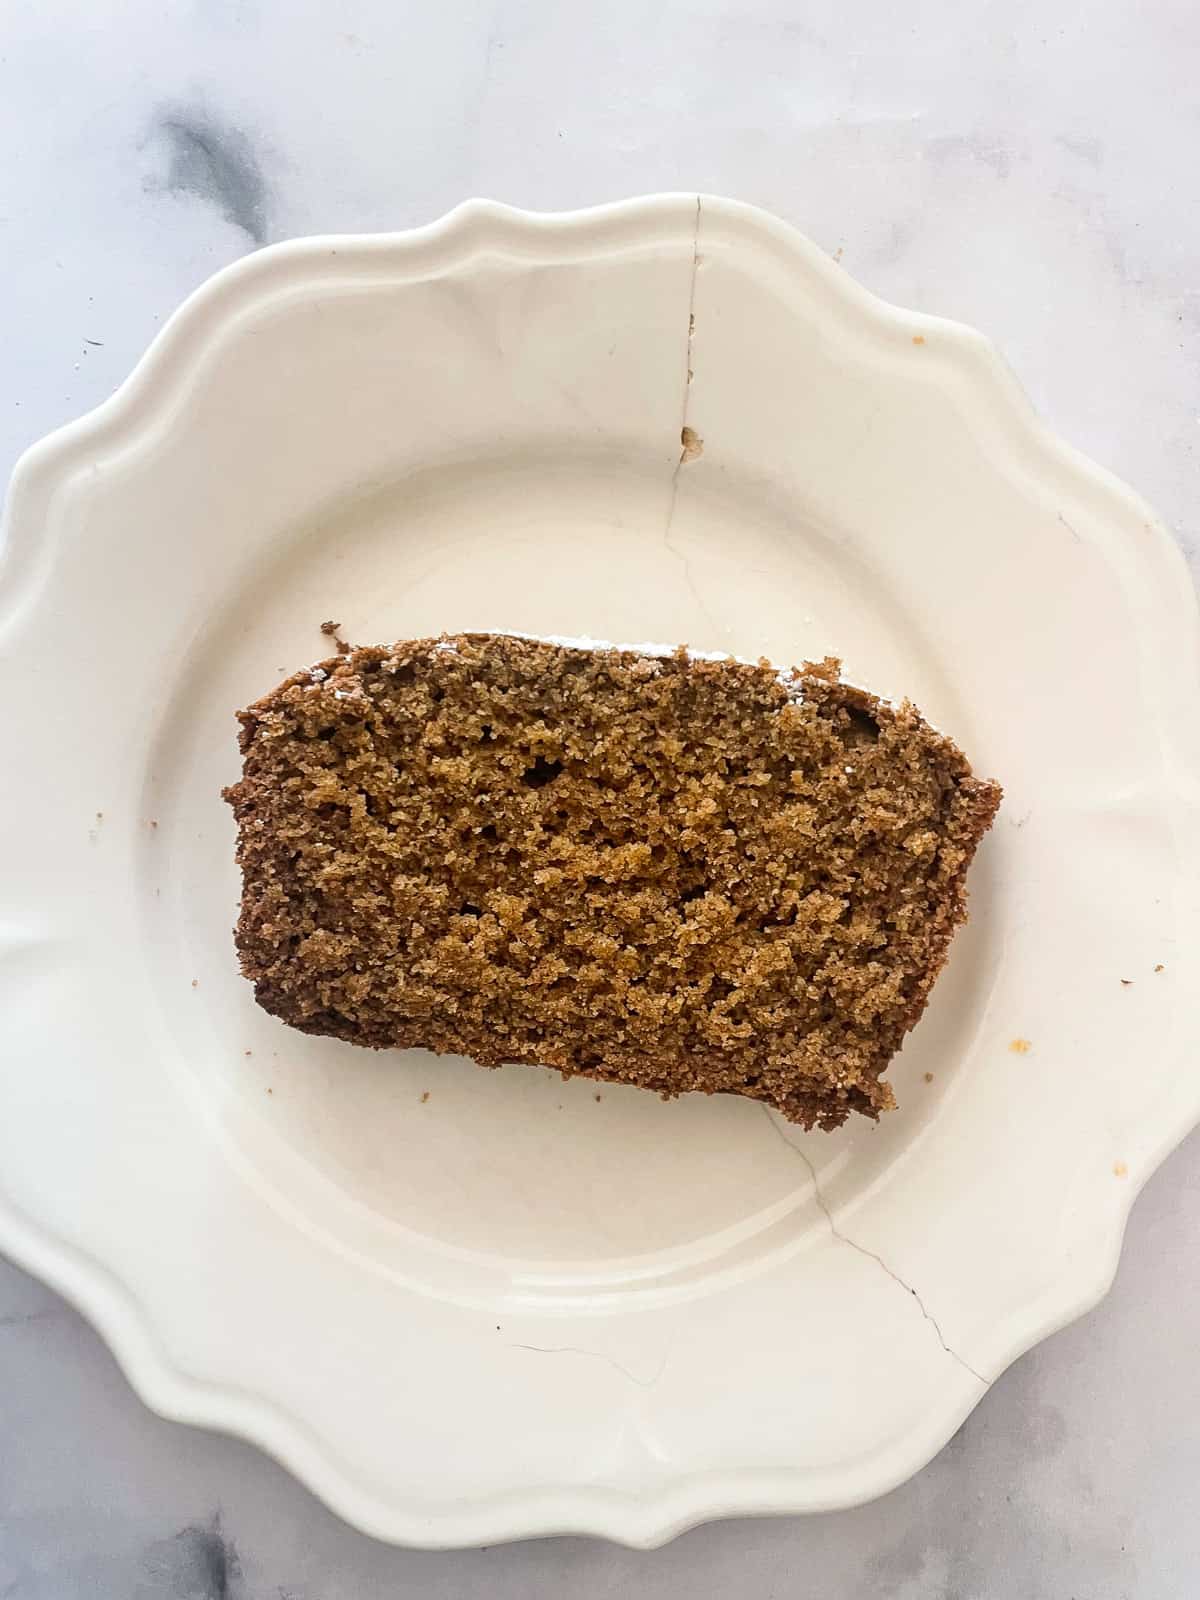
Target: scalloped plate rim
648, 1521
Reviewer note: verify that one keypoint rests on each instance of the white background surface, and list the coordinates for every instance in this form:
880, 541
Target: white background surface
1025, 167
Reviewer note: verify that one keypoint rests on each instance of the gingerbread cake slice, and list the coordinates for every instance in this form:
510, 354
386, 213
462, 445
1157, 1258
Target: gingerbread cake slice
661, 869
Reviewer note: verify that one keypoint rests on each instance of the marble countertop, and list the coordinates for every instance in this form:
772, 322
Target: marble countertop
1026, 167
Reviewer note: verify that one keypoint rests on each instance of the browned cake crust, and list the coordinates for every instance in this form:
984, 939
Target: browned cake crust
671, 872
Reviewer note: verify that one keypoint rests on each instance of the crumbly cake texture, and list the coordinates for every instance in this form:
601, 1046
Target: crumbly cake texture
670, 871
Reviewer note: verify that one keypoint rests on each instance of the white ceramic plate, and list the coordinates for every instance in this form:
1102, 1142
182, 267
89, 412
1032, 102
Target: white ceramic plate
514, 1308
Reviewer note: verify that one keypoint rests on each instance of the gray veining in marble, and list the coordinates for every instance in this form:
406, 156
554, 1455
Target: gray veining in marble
1028, 167
213, 164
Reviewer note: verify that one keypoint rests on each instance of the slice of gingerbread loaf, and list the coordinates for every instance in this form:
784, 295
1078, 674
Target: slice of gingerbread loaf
651, 868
